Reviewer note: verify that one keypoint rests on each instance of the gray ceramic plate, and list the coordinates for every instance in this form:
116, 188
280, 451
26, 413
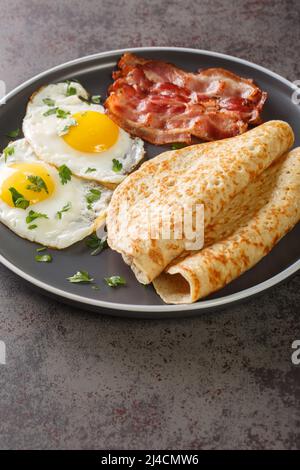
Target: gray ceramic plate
135, 300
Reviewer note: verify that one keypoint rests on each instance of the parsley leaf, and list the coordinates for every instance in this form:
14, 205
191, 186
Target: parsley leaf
96, 99
80, 276
64, 173
66, 129
89, 170
37, 184
31, 227
50, 111
9, 150
49, 102
41, 248
177, 146
117, 166
92, 241
97, 244
66, 208
13, 134
85, 100
115, 281
18, 199
43, 258
93, 196
71, 90
35, 215
61, 114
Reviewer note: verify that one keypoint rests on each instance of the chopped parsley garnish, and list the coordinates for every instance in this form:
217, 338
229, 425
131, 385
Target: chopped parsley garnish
18, 199
41, 248
9, 150
71, 90
96, 99
96, 244
49, 102
89, 170
37, 184
66, 129
115, 281
61, 114
85, 100
31, 227
64, 173
92, 241
50, 111
13, 134
177, 146
93, 196
35, 215
66, 208
43, 258
117, 166
80, 276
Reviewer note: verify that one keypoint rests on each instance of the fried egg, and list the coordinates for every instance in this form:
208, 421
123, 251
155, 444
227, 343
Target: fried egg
64, 126
47, 205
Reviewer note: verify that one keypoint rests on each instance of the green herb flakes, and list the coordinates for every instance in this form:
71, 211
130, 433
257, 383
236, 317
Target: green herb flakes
18, 199
117, 166
80, 277
64, 173
43, 258
115, 281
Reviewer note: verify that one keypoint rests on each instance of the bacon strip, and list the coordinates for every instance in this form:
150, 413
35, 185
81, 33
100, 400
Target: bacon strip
161, 103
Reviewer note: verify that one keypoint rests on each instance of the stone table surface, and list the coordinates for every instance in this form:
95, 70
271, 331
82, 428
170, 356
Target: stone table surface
75, 379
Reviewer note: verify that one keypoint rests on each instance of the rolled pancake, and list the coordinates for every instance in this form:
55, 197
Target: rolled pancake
210, 174
256, 219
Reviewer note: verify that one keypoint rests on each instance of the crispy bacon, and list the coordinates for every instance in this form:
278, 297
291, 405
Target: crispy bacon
162, 103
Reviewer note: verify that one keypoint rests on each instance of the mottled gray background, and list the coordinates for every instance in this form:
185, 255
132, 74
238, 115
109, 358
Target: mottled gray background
79, 380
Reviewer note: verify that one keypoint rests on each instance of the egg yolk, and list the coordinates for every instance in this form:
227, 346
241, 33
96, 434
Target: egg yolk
94, 133
31, 180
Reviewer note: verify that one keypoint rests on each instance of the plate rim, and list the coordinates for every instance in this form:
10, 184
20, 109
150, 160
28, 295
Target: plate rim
201, 305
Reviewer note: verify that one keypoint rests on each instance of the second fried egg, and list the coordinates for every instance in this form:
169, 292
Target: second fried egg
46, 205
65, 127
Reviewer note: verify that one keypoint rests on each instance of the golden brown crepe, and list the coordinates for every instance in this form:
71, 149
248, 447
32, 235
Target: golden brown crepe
243, 233
211, 174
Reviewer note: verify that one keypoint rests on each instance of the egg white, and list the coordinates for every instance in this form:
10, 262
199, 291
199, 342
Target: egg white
43, 134
75, 224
